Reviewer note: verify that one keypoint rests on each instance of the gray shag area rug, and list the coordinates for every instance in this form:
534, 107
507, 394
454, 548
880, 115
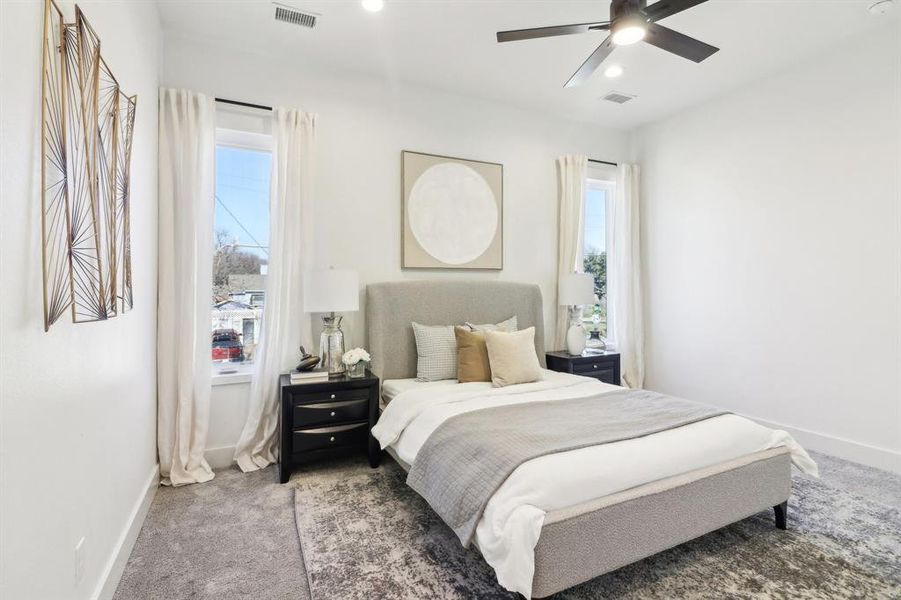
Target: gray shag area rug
365, 534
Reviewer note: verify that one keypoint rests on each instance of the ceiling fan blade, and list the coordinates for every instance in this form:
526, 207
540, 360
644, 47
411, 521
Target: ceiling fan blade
540, 32
666, 8
678, 43
591, 63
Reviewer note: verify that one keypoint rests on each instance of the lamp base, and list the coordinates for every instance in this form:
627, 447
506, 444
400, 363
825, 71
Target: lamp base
331, 344
575, 339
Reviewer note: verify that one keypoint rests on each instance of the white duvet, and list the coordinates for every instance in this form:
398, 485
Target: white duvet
512, 521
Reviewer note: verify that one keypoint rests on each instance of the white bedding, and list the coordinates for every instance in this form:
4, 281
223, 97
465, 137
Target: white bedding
392, 387
512, 521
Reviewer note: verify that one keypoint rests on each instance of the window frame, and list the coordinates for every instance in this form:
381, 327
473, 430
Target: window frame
244, 132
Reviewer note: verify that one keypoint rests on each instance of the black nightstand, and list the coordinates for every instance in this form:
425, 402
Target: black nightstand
603, 366
328, 418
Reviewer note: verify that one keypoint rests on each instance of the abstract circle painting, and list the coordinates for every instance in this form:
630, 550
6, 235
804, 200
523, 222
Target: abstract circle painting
452, 213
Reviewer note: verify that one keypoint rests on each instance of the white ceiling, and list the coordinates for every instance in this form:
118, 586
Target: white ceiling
450, 44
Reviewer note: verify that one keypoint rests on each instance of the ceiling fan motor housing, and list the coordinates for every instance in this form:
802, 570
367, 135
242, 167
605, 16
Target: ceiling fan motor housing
621, 8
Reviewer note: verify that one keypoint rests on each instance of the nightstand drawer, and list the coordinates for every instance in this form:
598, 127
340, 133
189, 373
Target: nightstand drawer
308, 415
590, 368
336, 395
329, 437
605, 373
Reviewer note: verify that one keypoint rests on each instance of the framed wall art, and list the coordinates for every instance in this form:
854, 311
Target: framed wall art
452, 213
86, 139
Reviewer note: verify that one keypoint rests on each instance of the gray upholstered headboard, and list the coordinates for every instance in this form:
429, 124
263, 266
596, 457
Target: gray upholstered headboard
391, 308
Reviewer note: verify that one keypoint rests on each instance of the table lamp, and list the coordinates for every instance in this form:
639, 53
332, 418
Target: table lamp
331, 291
575, 290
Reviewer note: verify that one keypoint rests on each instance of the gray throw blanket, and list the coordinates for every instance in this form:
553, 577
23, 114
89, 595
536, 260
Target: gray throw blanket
468, 457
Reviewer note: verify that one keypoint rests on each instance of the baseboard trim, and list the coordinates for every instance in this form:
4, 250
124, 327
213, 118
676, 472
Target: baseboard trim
115, 566
220, 458
873, 456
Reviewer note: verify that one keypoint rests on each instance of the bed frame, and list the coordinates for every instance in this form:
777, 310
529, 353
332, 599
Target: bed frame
580, 542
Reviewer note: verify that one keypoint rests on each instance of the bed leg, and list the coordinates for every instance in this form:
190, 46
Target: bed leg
781, 511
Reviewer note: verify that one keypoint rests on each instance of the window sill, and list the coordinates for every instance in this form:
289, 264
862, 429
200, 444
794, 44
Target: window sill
242, 375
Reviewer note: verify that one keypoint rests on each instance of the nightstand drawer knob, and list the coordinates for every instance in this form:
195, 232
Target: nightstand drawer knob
594, 367
331, 439
333, 413
333, 396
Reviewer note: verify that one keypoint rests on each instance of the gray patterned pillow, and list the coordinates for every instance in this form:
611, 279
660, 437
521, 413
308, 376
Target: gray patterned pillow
509, 326
436, 347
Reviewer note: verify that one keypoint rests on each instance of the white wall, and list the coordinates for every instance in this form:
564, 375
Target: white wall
363, 126
773, 253
77, 404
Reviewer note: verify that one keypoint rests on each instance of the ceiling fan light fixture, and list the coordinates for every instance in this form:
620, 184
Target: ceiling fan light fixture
629, 30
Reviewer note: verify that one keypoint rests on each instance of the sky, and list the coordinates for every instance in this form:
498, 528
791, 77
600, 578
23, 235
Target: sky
242, 187
595, 220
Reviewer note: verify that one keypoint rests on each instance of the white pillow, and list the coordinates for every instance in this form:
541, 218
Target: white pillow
512, 357
508, 325
436, 347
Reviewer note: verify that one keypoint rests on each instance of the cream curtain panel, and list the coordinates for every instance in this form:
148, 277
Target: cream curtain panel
625, 298
571, 172
187, 147
285, 324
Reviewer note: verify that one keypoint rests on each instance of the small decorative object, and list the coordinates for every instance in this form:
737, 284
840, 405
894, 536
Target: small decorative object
330, 291
87, 129
452, 213
595, 343
356, 360
575, 290
308, 362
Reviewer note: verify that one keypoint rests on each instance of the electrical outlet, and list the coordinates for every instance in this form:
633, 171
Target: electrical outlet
80, 552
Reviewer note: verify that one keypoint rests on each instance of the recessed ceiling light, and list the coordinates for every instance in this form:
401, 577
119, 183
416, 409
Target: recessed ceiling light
373, 5
613, 71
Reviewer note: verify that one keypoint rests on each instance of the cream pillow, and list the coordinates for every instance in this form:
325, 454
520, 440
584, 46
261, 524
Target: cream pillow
512, 357
508, 325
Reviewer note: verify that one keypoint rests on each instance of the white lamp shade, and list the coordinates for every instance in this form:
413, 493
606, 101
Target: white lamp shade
331, 290
575, 289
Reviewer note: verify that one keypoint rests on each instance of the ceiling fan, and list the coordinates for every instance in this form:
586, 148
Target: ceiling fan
630, 21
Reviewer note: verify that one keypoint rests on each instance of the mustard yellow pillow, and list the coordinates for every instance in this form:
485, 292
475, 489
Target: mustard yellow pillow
472, 356
512, 358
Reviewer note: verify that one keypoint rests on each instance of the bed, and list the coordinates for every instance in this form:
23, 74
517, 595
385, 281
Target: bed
565, 518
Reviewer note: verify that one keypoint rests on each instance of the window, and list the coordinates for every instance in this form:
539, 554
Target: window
241, 247
597, 219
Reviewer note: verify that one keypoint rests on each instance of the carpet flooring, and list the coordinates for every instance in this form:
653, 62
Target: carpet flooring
236, 537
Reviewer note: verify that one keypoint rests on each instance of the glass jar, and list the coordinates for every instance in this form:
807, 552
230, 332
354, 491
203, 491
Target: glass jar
357, 370
595, 342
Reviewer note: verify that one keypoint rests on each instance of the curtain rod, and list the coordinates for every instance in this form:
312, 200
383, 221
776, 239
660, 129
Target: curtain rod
600, 162
244, 104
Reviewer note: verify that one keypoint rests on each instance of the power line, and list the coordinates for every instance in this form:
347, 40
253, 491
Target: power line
241, 225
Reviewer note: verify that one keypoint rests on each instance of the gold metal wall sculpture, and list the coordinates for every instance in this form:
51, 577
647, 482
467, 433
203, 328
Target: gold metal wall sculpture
87, 129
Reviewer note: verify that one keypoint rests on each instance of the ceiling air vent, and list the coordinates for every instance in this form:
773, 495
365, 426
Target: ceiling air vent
618, 97
286, 14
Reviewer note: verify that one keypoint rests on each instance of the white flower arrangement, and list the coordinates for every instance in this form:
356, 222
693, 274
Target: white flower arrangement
355, 355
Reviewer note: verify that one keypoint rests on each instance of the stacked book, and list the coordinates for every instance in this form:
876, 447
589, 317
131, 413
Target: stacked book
311, 376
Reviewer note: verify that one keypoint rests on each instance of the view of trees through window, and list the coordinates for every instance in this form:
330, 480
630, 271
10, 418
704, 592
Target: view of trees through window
240, 254
594, 253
